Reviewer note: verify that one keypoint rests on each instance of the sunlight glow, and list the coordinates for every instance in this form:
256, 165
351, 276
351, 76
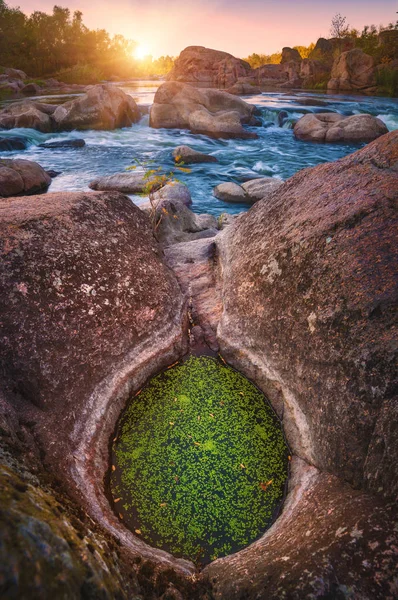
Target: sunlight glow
141, 52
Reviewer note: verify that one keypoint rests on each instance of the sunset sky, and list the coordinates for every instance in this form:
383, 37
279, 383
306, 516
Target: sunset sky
237, 26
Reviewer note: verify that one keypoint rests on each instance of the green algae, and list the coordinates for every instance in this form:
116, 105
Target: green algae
199, 461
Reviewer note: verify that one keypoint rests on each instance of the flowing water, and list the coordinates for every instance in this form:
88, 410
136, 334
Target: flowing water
275, 153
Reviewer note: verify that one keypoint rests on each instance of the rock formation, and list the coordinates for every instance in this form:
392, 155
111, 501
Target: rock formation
353, 71
333, 127
290, 54
103, 107
197, 64
22, 177
206, 111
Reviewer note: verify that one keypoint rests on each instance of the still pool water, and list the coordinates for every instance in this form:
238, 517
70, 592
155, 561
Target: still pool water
199, 462
275, 153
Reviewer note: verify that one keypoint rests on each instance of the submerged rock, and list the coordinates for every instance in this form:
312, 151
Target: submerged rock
332, 127
22, 177
206, 111
104, 106
78, 143
190, 156
8, 144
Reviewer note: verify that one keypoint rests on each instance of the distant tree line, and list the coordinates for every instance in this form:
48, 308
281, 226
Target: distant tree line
367, 40
60, 44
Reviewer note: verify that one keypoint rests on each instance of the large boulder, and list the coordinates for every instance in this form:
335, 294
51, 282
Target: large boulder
104, 106
332, 127
197, 64
22, 177
89, 312
189, 156
206, 111
310, 303
353, 71
26, 114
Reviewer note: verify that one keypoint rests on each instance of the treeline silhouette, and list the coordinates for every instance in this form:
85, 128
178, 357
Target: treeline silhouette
60, 44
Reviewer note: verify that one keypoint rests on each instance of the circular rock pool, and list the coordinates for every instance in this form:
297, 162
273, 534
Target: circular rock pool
199, 461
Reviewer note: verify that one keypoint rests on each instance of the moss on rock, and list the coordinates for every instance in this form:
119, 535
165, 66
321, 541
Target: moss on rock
199, 463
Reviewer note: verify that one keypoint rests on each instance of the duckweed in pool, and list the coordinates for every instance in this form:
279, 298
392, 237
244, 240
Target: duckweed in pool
199, 461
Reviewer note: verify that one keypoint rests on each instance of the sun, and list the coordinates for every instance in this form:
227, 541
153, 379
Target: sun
141, 52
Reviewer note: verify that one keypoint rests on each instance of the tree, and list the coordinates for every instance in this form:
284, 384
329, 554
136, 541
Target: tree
339, 27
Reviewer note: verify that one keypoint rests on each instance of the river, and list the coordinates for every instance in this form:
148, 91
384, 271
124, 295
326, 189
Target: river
275, 153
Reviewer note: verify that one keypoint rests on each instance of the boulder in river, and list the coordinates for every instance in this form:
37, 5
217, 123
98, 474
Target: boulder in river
247, 193
197, 64
332, 127
231, 192
104, 106
206, 111
26, 114
77, 143
190, 156
22, 177
131, 182
8, 144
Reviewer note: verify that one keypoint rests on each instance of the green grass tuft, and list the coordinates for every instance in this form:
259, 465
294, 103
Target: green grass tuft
200, 461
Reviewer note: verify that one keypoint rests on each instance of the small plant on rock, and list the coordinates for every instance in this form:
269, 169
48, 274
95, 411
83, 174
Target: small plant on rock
156, 178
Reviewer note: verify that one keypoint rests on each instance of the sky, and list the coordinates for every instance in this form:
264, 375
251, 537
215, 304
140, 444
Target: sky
240, 27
